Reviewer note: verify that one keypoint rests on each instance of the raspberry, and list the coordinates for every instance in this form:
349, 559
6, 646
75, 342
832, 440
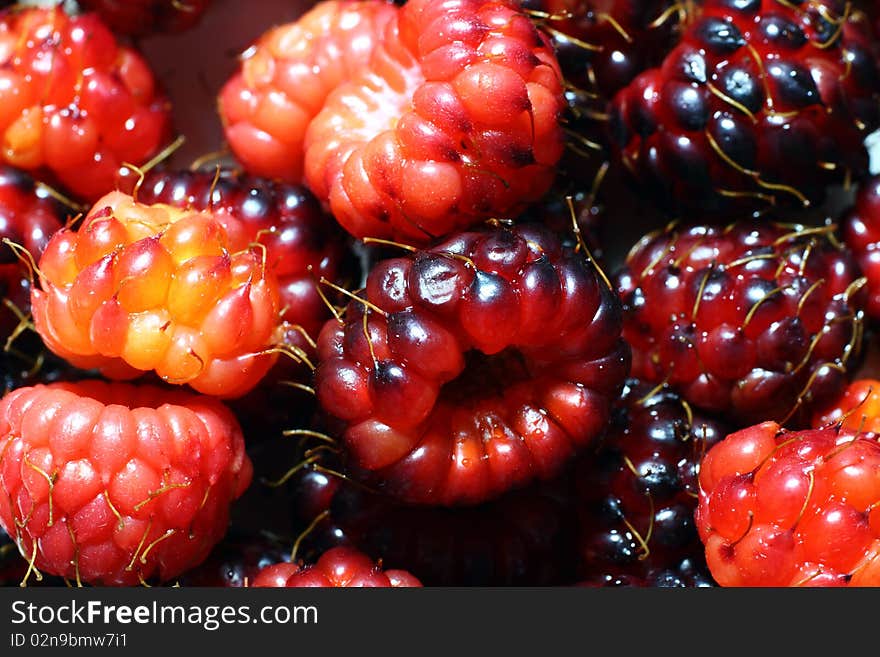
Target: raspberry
456, 119
29, 216
140, 18
861, 232
115, 484
150, 287
76, 104
473, 367
638, 490
338, 567
524, 538
285, 78
792, 508
756, 321
763, 103
302, 242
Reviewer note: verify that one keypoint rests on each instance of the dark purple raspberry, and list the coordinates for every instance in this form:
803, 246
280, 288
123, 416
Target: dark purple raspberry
755, 321
473, 367
763, 103
637, 491
603, 44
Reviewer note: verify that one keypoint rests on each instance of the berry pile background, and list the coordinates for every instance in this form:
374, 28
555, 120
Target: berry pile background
621, 512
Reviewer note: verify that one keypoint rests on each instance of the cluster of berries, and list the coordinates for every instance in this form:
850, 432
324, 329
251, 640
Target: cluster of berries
410, 284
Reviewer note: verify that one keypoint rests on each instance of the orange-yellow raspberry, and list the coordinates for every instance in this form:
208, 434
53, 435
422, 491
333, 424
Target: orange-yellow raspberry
152, 287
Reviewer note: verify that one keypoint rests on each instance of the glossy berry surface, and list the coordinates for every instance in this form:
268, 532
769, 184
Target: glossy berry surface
236, 560
29, 216
140, 288
792, 508
114, 484
755, 321
147, 17
76, 104
637, 491
473, 367
339, 567
303, 243
603, 44
455, 120
861, 233
286, 76
689, 574
763, 103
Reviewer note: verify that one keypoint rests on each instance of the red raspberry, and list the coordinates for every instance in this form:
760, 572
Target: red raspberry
151, 287
455, 120
473, 367
756, 321
637, 491
338, 567
75, 103
861, 232
29, 216
145, 17
763, 103
112, 484
285, 78
792, 508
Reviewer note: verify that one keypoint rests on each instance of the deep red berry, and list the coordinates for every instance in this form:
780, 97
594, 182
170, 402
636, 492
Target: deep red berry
76, 104
29, 216
146, 17
138, 288
113, 484
756, 321
763, 103
792, 508
455, 120
637, 491
286, 76
340, 567
861, 232
473, 367
603, 44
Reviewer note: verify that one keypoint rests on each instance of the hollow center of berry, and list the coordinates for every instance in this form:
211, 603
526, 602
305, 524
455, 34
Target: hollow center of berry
485, 377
